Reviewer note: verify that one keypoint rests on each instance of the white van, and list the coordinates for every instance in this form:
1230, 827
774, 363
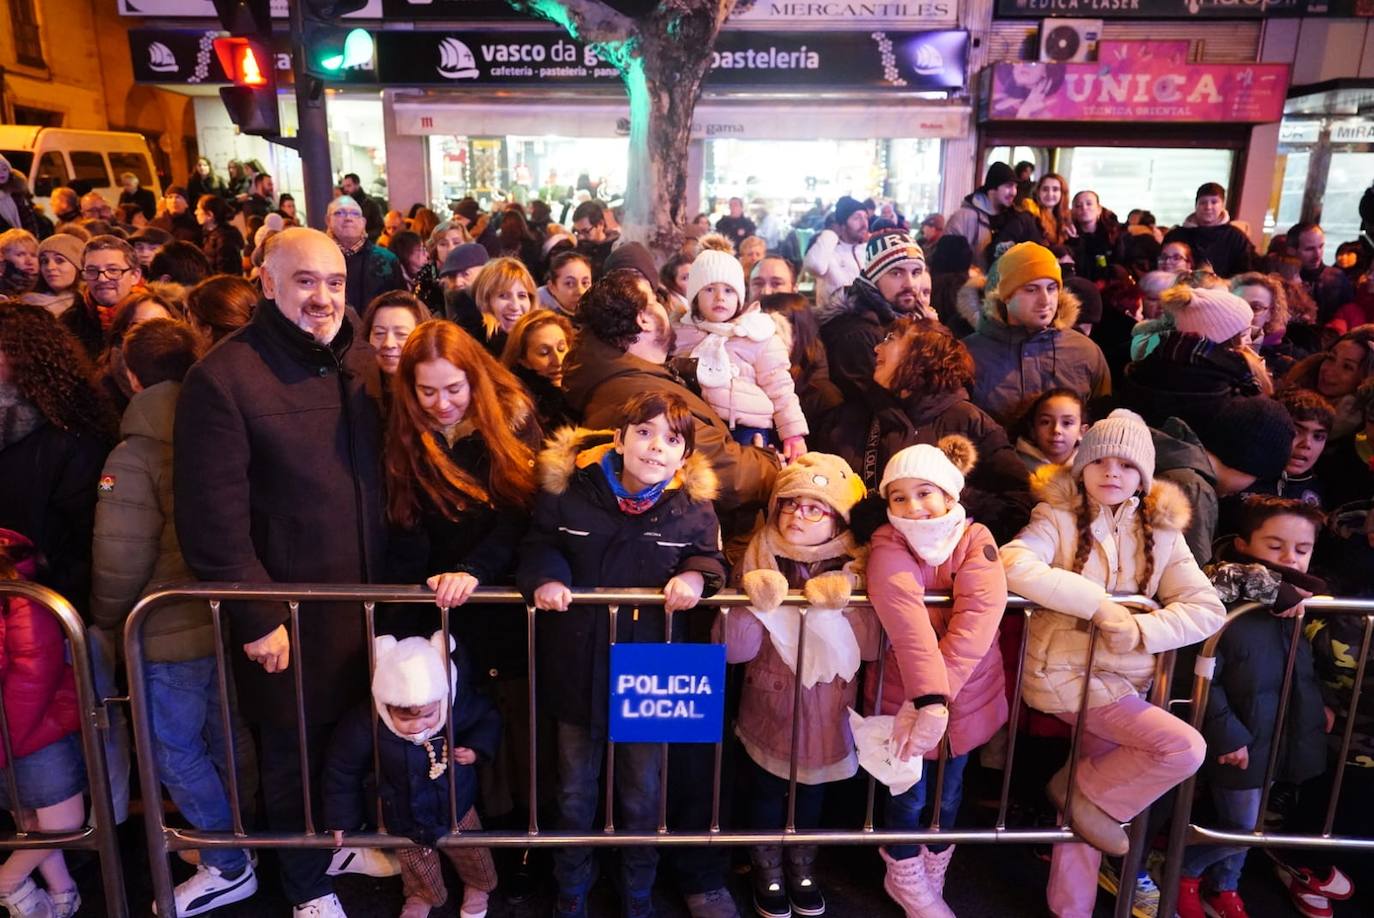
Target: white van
85, 160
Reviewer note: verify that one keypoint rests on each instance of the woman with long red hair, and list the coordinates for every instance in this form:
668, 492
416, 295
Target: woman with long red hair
1049, 203
459, 461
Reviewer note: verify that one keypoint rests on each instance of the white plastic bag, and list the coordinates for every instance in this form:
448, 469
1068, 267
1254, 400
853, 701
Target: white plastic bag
832, 650
873, 741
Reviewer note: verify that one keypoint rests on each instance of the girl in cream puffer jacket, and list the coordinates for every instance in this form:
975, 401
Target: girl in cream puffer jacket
1105, 526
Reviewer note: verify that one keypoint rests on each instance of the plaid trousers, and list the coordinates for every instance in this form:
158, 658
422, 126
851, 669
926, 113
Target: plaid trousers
422, 875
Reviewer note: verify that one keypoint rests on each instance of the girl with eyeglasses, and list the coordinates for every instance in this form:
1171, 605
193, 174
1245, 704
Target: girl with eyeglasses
805, 544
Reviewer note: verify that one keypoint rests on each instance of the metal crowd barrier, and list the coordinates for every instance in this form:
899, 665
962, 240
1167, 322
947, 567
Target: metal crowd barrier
1184, 832
164, 839
98, 835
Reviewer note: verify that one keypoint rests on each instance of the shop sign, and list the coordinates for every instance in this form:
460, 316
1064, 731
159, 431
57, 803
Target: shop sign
1159, 9
910, 61
1299, 131
711, 121
667, 693
187, 56
1352, 131
849, 13
1130, 82
205, 9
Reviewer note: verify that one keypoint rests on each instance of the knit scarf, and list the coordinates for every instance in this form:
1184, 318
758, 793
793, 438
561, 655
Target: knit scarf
19, 417
933, 540
832, 650
611, 466
715, 369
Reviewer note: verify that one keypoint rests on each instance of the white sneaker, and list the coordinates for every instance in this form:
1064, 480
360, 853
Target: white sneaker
208, 889
371, 862
323, 907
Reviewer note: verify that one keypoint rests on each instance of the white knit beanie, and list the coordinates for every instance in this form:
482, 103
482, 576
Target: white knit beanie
1217, 315
410, 674
943, 466
1122, 434
712, 267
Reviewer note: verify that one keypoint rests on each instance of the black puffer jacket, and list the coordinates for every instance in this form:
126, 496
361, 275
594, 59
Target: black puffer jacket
868, 433
851, 326
413, 804
582, 539
1247, 682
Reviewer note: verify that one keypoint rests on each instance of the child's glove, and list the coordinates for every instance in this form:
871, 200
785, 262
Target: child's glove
1116, 627
766, 589
829, 591
916, 731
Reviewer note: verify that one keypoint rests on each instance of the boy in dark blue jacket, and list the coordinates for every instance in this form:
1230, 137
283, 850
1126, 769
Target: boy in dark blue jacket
410, 688
1267, 563
625, 509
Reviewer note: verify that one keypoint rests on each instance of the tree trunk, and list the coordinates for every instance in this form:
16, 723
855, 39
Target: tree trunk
663, 57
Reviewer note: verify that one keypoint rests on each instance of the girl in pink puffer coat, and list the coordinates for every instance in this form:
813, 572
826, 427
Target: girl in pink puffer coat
743, 365
943, 674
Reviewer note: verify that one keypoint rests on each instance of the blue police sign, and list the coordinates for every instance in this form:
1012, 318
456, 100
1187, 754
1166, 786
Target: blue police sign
667, 693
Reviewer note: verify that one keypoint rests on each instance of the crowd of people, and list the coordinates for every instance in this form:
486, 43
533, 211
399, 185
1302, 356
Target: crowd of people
1029, 397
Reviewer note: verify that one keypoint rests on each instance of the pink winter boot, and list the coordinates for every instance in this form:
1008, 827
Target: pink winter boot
937, 865
907, 884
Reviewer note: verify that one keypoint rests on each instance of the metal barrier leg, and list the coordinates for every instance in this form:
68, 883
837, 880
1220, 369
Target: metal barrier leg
97, 774
156, 830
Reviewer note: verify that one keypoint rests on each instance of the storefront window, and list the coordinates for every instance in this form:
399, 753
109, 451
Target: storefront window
510, 168
357, 142
1161, 180
788, 177
1346, 181
1293, 167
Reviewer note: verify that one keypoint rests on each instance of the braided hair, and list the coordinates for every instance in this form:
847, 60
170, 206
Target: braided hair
1084, 546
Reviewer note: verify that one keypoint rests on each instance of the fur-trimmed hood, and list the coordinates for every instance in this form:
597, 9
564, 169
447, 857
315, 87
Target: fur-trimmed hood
1056, 486
862, 295
574, 448
981, 307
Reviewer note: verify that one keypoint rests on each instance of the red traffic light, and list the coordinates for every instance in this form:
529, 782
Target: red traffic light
244, 61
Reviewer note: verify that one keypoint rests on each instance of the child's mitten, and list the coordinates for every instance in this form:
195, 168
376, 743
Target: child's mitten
766, 589
829, 591
916, 731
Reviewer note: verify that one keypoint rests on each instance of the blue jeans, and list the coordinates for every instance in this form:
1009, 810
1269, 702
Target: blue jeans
192, 759
1236, 810
904, 810
744, 436
637, 768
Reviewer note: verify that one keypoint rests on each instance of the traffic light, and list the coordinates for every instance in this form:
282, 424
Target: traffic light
252, 100
332, 51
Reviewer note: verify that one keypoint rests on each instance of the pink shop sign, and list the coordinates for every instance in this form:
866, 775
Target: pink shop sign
1138, 81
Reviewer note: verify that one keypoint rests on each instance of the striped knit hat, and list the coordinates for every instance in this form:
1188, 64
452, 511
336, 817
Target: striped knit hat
887, 250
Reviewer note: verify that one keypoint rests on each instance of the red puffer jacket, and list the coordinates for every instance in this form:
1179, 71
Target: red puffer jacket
37, 680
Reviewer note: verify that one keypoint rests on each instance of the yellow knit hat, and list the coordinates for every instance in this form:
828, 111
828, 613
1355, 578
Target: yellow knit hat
1023, 263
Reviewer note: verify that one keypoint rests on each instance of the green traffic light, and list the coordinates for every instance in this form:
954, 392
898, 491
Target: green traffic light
358, 51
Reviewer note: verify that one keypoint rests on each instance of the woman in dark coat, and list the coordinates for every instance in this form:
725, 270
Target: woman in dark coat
223, 243
16, 203
55, 432
919, 395
535, 351
459, 460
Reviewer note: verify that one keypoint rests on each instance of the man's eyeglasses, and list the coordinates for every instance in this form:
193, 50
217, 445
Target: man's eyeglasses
812, 513
349, 214
584, 233
110, 273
